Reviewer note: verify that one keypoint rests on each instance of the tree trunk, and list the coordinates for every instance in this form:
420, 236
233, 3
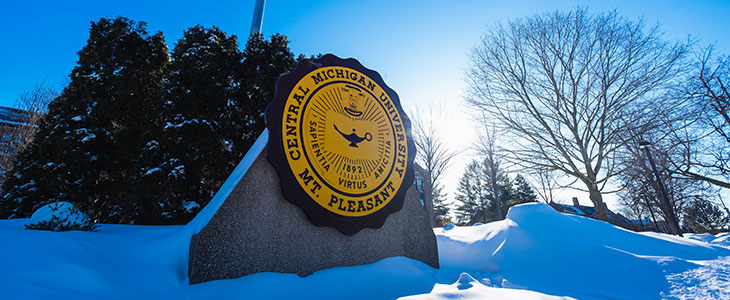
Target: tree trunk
671, 218
636, 209
495, 194
641, 223
664, 202
597, 200
651, 212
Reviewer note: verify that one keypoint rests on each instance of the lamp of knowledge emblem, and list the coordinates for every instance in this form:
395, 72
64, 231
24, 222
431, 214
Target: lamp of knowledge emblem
341, 143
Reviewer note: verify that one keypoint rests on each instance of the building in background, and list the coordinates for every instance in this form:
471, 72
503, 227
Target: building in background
590, 212
15, 131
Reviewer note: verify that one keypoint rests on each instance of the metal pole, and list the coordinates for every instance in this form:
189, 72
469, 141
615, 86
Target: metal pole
674, 225
258, 17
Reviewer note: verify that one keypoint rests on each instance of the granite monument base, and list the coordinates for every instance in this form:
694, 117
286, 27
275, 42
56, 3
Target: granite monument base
257, 230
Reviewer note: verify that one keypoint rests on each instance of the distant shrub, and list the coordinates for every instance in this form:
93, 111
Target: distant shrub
60, 216
701, 215
449, 226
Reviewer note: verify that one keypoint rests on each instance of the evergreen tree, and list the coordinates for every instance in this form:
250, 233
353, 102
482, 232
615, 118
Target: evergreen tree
523, 192
214, 108
702, 216
202, 87
87, 149
472, 193
477, 201
126, 147
263, 62
507, 198
441, 211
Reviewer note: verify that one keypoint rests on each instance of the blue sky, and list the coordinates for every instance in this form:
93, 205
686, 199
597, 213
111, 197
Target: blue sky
420, 48
413, 44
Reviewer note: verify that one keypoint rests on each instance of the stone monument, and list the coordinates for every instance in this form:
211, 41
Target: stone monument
328, 184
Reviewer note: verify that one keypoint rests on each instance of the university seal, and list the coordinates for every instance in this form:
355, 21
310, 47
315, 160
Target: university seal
341, 144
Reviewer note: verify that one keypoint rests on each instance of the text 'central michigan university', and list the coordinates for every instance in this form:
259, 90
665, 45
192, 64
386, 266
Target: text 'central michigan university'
341, 144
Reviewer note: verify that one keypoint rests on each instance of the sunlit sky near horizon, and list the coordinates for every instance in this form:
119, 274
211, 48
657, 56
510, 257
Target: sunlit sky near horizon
420, 48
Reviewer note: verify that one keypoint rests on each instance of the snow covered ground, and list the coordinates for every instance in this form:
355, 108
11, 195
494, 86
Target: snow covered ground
536, 253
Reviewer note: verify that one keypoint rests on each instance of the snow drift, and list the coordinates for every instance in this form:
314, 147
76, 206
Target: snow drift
536, 253
540, 249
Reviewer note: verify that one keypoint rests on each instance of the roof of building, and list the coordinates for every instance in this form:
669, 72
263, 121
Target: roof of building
590, 211
13, 116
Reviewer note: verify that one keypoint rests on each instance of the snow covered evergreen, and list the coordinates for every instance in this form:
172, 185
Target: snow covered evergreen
139, 138
60, 216
214, 103
87, 149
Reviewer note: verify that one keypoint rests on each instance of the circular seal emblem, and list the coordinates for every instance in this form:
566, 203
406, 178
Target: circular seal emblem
341, 143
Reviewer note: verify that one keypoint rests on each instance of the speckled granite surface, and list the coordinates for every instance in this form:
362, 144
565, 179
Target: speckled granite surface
257, 230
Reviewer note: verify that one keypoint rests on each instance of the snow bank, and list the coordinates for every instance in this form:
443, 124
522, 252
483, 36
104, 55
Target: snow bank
540, 249
536, 253
117, 262
143, 262
721, 239
469, 288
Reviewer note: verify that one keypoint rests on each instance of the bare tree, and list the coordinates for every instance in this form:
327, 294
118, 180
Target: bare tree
22, 124
706, 142
631, 208
547, 181
640, 188
433, 155
488, 148
563, 85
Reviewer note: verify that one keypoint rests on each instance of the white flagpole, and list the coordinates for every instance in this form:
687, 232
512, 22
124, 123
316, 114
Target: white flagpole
258, 17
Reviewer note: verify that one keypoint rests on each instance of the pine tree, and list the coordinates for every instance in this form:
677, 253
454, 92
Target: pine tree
477, 202
202, 87
441, 211
702, 216
524, 192
110, 145
214, 105
441, 207
263, 62
87, 148
507, 196
472, 193
515, 192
